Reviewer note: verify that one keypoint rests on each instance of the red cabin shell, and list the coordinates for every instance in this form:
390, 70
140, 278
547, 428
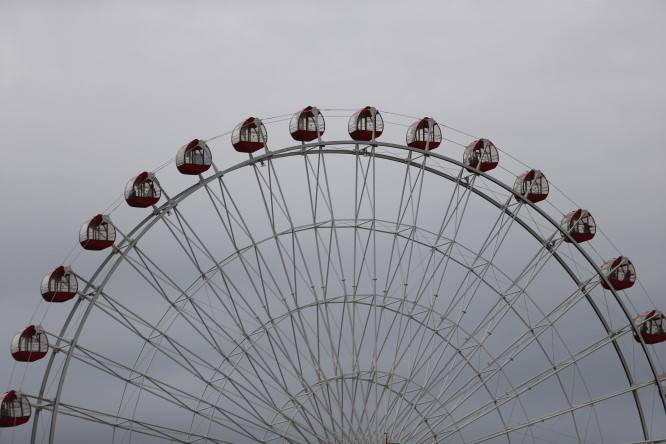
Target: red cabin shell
59, 285
424, 134
365, 124
580, 225
14, 409
531, 185
30, 344
482, 155
307, 125
651, 327
620, 272
249, 136
143, 191
194, 158
97, 233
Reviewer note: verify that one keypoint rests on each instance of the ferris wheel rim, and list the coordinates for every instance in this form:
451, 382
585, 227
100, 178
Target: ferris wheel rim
129, 241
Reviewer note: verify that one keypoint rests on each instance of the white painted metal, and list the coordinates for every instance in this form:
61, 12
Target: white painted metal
293, 362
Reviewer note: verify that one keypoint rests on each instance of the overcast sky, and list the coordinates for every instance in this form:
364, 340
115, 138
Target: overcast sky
92, 93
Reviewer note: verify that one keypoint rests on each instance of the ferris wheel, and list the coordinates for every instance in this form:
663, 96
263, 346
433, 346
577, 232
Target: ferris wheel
345, 291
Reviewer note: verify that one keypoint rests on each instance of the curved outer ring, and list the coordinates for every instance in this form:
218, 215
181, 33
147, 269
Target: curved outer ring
314, 148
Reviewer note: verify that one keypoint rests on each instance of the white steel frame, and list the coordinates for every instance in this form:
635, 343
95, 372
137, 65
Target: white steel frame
389, 401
